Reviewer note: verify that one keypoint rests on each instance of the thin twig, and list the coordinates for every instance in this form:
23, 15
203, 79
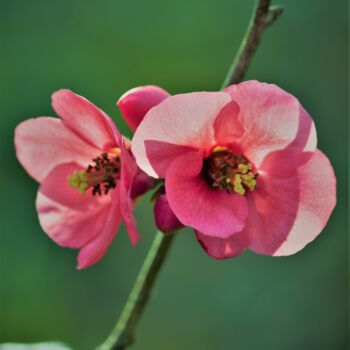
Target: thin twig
264, 15
123, 333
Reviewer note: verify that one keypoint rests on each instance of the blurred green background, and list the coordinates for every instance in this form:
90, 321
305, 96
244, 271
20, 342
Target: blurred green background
102, 48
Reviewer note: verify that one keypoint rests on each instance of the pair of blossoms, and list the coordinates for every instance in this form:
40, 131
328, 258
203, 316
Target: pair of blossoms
240, 167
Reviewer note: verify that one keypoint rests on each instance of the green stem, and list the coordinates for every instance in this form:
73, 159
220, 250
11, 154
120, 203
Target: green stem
123, 333
263, 16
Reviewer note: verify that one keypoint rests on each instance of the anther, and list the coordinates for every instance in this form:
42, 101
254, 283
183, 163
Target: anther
226, 171
101, 177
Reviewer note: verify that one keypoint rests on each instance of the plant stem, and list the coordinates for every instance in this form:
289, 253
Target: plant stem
123, 333
263, 16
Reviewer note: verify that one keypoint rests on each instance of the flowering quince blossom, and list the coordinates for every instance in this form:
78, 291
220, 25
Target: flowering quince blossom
86, 172
241, 168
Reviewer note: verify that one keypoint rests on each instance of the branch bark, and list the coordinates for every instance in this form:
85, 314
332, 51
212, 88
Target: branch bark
123, 333
263, 16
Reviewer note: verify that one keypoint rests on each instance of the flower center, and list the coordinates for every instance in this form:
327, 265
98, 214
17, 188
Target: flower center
225, 171
102, 176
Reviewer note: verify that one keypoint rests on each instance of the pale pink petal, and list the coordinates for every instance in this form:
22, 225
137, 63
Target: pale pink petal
317, 199
69, 218
185, 119
223, 248
160, 154
94, 250
43, 143
214, 212
69, 227
128, 171
288, 210
272, 119
135, 103
227, 126
84, 118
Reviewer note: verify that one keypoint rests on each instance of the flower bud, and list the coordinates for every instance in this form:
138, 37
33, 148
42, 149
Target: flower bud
165, 219
141, 184
135, 103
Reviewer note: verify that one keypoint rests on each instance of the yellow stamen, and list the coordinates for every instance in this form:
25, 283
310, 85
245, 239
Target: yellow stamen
115, 151
220, 149
78, 181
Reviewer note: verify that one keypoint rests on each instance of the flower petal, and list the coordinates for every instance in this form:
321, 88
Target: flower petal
94, 250
223, 248
227, 126
43, 143
317, 190
287, 212
70, 219
161, 154
215, 212
128, 171
185, 119
56, 187
135, 103
84, 118
272, 119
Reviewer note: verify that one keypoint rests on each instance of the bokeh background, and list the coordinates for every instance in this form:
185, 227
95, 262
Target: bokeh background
102, 48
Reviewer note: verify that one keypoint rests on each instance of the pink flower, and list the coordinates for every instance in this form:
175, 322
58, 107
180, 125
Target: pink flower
85, 171
241, 167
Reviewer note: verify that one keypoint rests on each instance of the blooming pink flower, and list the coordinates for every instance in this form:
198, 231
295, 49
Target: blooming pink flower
85, 170
241, 167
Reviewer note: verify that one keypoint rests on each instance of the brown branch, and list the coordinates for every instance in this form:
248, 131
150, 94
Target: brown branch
123, 333
264, 15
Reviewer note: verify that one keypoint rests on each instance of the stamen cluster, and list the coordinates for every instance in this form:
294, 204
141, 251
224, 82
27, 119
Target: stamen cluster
225, 171
101, 176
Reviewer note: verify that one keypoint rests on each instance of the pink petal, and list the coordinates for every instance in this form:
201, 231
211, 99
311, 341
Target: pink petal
317, 190
185, 119
165, 219
69, 218
43, 143
84, 118
94, 250
227, 126
215, 212
272, 119
287, 212
135, 103
55, 186
223, 248
128, 171
161, 154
